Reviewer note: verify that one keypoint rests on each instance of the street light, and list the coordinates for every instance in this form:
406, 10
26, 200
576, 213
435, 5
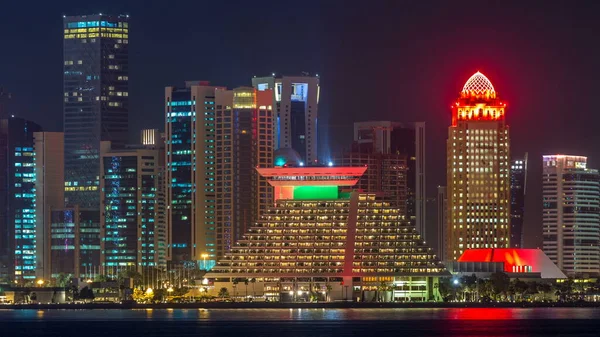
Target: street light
40, 282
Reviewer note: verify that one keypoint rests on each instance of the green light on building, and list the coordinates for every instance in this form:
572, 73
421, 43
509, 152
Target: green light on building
315, 192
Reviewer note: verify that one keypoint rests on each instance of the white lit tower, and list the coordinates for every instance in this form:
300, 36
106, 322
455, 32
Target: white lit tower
295, 105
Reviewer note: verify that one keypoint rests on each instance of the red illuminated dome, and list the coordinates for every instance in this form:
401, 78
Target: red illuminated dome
478, 86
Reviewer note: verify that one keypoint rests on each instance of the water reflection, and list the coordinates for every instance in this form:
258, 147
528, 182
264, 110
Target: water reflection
300, 314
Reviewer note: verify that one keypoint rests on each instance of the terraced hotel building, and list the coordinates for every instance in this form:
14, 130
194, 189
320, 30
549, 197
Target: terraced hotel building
320, 241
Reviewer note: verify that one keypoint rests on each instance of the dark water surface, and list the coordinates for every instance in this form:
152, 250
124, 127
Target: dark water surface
471, 322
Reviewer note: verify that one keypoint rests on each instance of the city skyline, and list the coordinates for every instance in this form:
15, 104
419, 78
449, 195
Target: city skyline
403, 68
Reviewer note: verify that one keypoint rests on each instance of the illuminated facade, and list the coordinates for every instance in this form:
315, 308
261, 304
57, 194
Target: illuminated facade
49, 190
74, 243
96, 98
478, 178
244, 141
395, 156
316, 236
130, 228
514, 262
571, 218
518, 190
190, 146
18, 199
295, 101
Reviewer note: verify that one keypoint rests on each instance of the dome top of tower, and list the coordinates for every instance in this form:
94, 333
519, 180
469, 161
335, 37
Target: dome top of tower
478, 85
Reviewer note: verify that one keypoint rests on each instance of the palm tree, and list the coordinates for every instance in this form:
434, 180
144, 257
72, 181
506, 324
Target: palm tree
253, 280
62, 280
235, 283
223, 292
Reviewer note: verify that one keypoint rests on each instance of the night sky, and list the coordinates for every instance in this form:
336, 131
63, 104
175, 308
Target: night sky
396, 60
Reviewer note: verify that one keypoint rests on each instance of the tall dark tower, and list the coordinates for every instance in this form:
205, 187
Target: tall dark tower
96, 98
17, 200
518, 189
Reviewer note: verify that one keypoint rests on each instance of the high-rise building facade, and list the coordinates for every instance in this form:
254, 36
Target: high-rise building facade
518, 190
244, 142
571, 219
442, 221
49, 189
395, 156
190, 136
96, 98
215, 140
295, 101
18, 199
74, 243
478, 170
129, 183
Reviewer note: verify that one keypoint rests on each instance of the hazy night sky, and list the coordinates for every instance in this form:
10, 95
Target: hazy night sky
400, 60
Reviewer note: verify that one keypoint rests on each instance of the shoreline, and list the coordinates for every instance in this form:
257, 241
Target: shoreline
276, 305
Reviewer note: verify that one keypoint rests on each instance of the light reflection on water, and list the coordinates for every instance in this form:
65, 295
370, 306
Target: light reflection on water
300, 314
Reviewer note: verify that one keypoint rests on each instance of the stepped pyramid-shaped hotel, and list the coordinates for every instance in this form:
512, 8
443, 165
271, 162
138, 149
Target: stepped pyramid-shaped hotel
322, 242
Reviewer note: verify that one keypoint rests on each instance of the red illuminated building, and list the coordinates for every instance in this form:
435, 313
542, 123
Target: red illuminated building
513, 260
478, 178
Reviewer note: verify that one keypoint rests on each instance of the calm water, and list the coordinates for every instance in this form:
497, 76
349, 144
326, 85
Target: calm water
303, 322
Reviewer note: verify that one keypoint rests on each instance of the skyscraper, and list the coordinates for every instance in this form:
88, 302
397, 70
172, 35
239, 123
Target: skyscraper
18, 199
571, 219
244, 142
478, 170
49, 190
190, 136
96, 102
295, 105
518, 189
129, 182
395, 156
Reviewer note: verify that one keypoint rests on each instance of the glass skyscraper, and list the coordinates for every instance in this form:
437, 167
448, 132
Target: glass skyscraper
96, 90
17, 199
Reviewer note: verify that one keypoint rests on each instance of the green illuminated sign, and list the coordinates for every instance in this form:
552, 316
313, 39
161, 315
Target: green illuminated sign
315, 192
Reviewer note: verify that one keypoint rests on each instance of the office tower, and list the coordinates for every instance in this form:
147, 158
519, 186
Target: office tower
190, 137
296, 105
74, 247
315, 236
49, 190
442, 221
478, 170
96, 98
244, 141
571, 220
129, 183
17, 199
395, 156
518, 190
154, 139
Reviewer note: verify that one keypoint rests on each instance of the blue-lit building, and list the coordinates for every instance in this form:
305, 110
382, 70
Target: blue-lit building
17, 199
295, 101
190, 173
96, 98
129, 197
74, 242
